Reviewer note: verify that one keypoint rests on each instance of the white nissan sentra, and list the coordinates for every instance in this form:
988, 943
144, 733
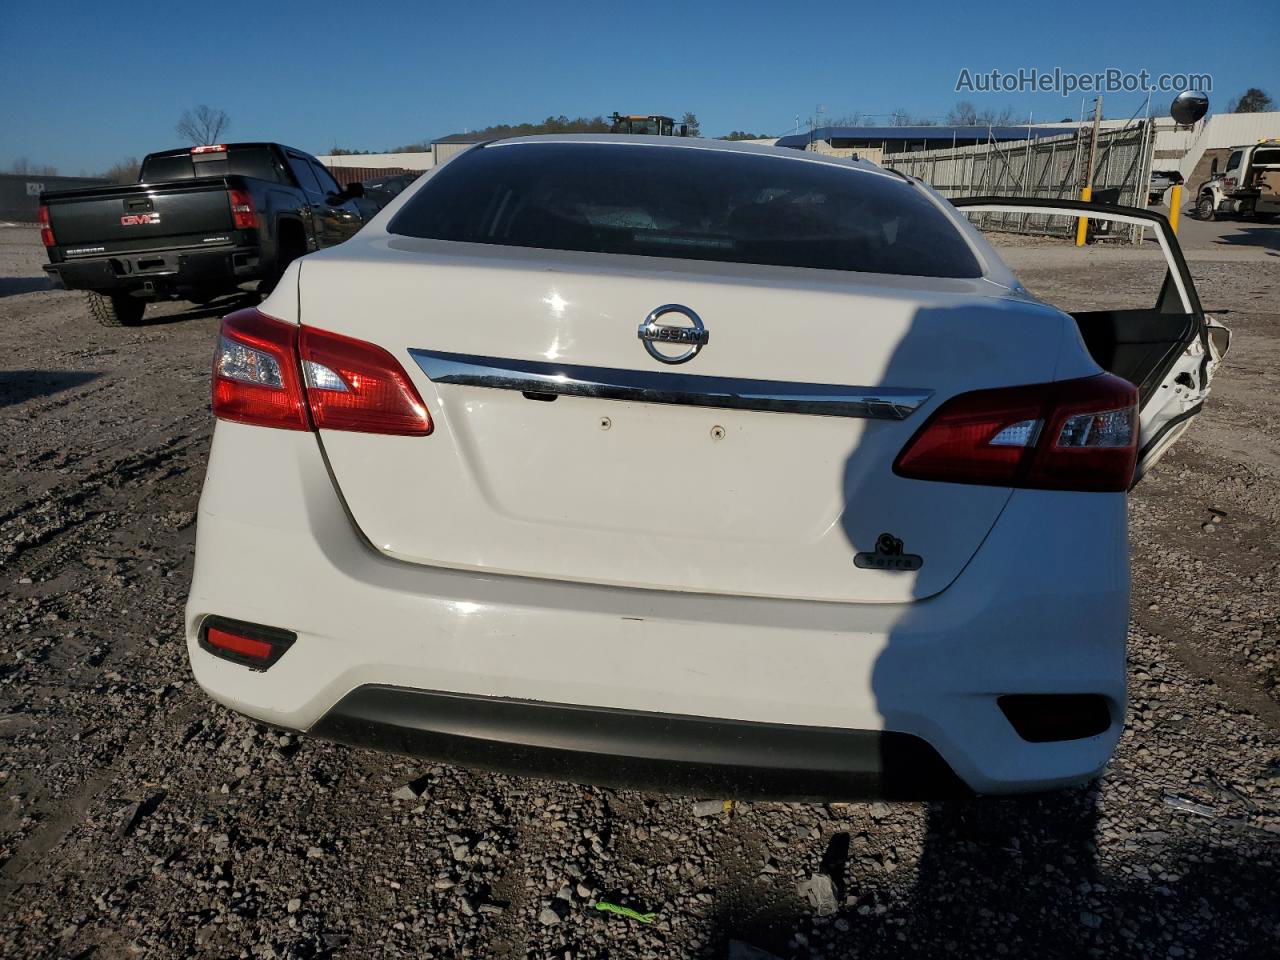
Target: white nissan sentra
687, 465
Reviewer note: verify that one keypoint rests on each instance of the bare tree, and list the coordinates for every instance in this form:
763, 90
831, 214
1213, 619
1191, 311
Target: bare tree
203, 125
126, 171
992, 118
963, 114
24, 166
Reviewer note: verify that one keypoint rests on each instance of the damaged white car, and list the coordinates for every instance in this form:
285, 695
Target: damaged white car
690, 465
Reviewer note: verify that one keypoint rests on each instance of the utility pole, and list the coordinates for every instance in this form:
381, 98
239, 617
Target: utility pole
1086, 193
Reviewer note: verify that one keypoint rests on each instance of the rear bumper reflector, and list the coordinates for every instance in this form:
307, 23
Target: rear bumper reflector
643, 386
250, 644
1055, 717
667, 753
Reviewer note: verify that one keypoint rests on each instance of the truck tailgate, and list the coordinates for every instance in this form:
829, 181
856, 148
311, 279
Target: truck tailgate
140, 216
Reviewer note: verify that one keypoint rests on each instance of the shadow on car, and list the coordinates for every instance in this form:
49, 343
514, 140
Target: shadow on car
1016, 876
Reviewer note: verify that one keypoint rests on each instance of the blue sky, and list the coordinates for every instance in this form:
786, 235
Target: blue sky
86, 84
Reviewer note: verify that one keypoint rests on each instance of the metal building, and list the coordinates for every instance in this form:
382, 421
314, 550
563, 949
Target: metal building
20, 193
450, 146
870, 142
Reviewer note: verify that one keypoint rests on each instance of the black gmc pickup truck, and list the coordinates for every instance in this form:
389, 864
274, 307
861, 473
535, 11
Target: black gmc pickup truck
198, 224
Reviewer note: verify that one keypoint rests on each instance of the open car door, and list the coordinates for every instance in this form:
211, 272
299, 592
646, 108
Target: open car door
1169, 351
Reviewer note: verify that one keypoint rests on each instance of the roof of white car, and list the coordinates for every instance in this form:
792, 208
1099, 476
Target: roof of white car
698, 143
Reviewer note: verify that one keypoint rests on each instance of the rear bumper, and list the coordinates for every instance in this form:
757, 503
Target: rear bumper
660, 752
159, 272
1042, 608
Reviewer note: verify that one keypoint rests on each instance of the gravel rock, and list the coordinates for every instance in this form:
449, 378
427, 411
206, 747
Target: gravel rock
820, 892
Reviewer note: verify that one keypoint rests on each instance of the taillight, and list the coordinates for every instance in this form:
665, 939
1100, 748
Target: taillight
46, 228
275, 374
255, 372
354, 385
242, 211
1070, 435
210, 148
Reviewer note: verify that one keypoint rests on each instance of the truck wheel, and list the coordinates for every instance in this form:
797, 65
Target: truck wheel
1204, 209
118, 311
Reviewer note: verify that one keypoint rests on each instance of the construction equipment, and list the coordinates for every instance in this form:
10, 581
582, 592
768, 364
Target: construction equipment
653, 125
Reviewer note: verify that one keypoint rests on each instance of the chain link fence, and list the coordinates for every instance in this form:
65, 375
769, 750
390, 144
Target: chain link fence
1049, 168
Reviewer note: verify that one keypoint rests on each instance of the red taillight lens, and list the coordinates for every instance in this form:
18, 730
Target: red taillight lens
46, 228
242, 646
1070, 435
242, 210
255, 372
250, 644
354, 385
274, 374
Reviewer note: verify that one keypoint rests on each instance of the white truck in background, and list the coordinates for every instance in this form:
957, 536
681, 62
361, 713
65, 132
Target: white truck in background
1250, 186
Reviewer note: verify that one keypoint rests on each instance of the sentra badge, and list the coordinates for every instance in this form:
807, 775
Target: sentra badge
887, 555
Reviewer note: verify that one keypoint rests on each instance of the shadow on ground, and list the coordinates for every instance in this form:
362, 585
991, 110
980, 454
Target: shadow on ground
1268, 237
1020, 878
216, 308
17, 386
12, 286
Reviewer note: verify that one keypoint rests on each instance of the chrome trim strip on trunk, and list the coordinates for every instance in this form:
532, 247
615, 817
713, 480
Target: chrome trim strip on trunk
642, 386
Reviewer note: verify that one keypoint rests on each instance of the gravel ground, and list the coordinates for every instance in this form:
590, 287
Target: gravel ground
137, 818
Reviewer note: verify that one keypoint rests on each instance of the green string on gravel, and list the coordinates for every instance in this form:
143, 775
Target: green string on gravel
625, 912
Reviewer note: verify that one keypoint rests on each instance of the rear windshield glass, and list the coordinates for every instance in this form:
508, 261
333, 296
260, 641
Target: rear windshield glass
690, 204
234, 161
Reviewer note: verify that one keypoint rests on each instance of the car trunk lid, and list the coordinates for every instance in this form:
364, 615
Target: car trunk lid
761, 466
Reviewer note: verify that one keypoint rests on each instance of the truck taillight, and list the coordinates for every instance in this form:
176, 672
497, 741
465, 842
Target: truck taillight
46, 228
242, 211
1070, 435
275, 374
210, 148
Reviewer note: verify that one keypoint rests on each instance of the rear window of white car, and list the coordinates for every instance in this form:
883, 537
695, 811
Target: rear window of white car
689, 204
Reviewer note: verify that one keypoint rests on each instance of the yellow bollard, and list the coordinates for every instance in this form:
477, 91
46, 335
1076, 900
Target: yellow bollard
1082, 225
1175, 206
